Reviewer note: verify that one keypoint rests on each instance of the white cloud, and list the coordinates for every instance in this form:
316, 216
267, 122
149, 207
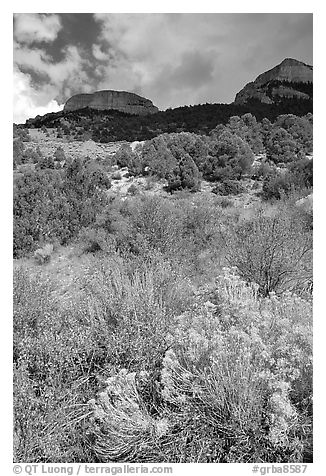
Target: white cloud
98, 53
60, 80
35, 27
28, 102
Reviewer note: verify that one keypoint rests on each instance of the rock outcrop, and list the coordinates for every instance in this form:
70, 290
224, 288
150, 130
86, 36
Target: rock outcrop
291, 78
119, 100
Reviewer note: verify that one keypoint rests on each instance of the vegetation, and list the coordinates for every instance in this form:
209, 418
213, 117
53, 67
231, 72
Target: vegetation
172, 327
55, 204
107, 126
143, 370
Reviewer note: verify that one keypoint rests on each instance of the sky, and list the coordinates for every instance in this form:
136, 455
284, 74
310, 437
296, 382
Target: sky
173, 59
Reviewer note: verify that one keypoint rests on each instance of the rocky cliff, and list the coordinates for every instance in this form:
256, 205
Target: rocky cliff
291, 78
119, 100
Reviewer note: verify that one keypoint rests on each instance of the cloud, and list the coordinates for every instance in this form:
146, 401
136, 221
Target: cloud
40, 83
29, 102
34, 27
98, 53
172, 59
196, 69
177, 59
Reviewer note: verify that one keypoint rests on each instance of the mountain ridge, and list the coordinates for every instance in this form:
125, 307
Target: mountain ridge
285, 77
109, 99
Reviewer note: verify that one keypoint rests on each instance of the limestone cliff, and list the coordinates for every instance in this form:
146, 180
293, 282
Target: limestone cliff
119, 100
288, 79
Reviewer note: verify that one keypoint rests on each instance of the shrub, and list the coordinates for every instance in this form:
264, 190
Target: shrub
280, 146
273, 251
157, 224
298, 176
223, 386
228, 187
125, 157
18, 152
247, 128
133, 190
225, 203
276, 185
264, 170
302, 171
96, 239
46, 163
229, 157
300, 129
43, 255
59, 154
184, 175
56, 203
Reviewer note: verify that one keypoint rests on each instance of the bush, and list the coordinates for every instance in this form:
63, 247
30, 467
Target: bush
298, 176
276, 185
264, 170
247, 128
52, 204
300, 129
273, 251
96, 239
43, 255
217, 388
59, 154
125, 157
228, 187
229, 157
133, 190
184, 176
281, 147
225, 203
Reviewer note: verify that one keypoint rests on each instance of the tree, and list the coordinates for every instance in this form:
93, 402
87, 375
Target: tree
300, 129
229, 156
280, 146
184, 175
247, 128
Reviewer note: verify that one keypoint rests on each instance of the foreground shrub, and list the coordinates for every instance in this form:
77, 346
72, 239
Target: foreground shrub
235, 386
63, 350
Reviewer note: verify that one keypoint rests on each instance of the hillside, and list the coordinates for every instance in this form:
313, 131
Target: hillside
109, 126
289, 79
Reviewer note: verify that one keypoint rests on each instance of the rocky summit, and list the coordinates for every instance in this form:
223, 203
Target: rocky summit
119, 100
289, 79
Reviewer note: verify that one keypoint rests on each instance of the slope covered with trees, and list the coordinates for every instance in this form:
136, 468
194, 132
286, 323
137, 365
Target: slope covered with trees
107, 126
